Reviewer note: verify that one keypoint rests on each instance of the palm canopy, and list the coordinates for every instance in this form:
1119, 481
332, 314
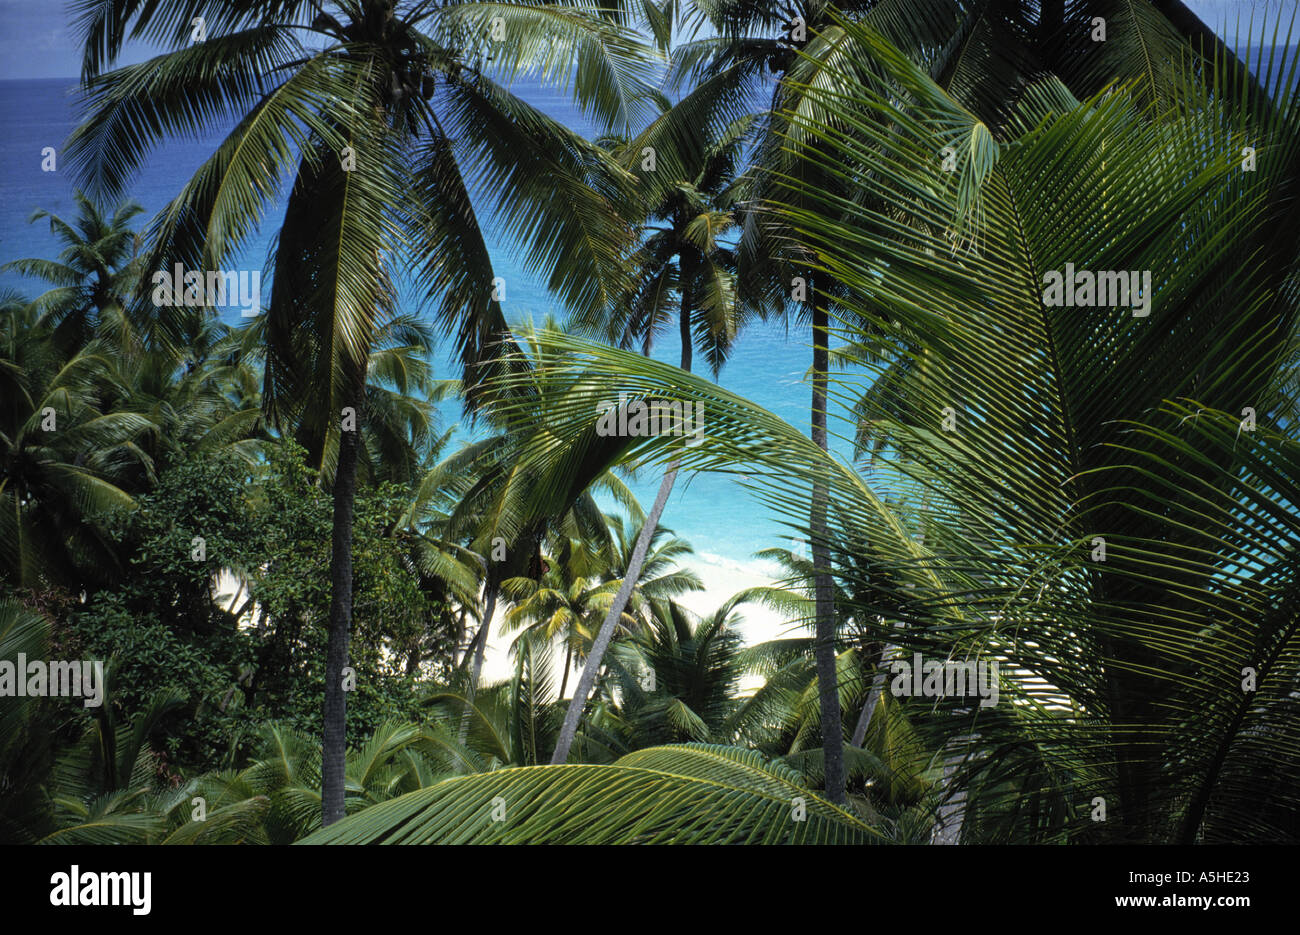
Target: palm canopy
305, 84
677, 679
1073, 425
579, 580
562, 603
95, 279
490, 494
66, 457
764, 60
682, 266
399, 398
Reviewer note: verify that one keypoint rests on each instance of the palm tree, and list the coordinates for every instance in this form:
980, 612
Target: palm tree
678, 682
399, 395
1095, 460
64, 460
99, 783
660, 576
275, 799
1102, 496
564, 604
501, 506
731, 69
95, 281
201, 393
682, 250
27, 729
579, 583
279, 791
682, 267
382, 114
766, 58
509, 724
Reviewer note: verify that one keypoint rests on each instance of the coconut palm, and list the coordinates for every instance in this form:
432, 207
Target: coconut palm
731, 69
768, 59
578, 585
1091, 458
285, 778
65, 462
509, 724
680, 256
95, 281
27, 729
385, 116
502, 510
275, 799
400, 395
682, 268
678, 679
201, 393
1101, 495
661, 576
565, 604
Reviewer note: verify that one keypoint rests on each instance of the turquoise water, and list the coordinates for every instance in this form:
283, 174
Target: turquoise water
767, 367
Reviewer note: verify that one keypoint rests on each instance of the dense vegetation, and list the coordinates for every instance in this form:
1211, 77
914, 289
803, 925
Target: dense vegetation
1097, 496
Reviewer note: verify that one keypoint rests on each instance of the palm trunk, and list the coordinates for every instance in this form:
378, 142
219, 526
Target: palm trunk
827, 681
235, 600
594, 659
948, 820
489, 608
684, 325
334, 752
568, 658
460, 638
588, 678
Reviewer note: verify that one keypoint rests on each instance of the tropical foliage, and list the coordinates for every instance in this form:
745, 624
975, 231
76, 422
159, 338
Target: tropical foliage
301, 580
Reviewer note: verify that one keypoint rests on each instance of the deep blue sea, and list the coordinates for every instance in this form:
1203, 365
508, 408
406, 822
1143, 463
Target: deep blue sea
712, 512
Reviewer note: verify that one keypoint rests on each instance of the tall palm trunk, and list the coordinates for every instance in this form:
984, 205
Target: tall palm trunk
684, 323
334, 752
827, 682
480, 647
952, 813
588, 678
489, 610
